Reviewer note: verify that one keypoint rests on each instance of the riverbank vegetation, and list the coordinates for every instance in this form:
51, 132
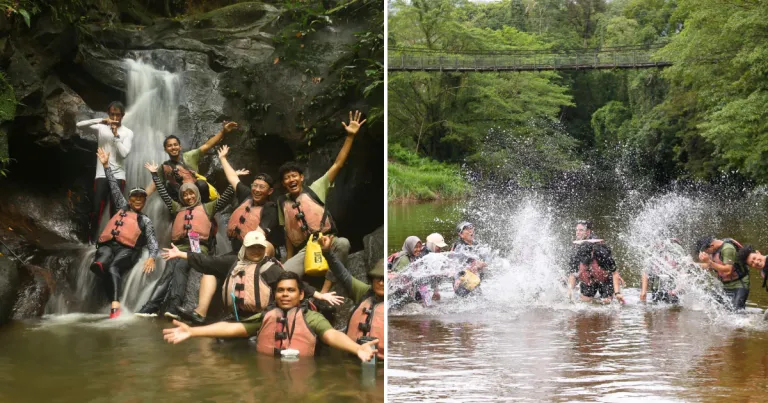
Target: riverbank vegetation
700, 119
414, 178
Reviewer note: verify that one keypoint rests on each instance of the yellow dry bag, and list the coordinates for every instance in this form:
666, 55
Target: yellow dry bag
212, 193
469, 280
314, 261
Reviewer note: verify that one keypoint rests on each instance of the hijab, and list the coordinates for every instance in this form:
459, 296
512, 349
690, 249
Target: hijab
192, 187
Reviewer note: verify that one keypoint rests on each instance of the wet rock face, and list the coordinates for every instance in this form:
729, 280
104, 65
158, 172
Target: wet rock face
9, 284
36, 287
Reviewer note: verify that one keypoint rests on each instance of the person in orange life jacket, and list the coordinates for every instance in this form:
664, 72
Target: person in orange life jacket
181, 167
115, 139
119, 246
287, 325
466, 241
367, 319
190, 215
253, 251
254, 210
302, 210
721, 256
593, 265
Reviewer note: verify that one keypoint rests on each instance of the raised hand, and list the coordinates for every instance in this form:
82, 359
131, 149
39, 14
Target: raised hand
222, 151
229, 126
325, 242
354, 123
177, 334
151, 167
242, 172
103, 157
149, 265
332, 298
365, 351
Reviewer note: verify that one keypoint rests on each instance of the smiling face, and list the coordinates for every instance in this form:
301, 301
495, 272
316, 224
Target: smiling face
172, 148
189, 197
377, 283
287, 294
260, 191
582, 232
137, 202
756, 261
255, 253
417, 248
293, 182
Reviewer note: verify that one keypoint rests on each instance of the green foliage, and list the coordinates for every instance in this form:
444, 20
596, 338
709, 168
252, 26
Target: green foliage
414, 178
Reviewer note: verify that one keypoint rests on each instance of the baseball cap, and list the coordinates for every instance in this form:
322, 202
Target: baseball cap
437, 239
462, 225
137, 191
255, 238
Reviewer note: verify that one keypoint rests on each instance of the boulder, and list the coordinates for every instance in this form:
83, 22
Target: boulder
36, 288
9, 284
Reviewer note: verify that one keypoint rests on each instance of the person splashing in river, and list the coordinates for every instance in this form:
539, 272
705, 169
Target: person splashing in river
592, 265
720, 256
119, 246
287, 325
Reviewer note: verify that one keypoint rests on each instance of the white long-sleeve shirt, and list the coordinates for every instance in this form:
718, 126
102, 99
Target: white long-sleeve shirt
117, 147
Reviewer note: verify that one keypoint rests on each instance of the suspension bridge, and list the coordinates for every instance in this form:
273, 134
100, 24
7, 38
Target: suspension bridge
412, 59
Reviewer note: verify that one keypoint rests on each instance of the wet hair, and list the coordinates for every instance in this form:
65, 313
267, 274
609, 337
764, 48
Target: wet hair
169, 138
704, 243
117, 105
585, 223
288, 275
290, 166
744, 254
265, 178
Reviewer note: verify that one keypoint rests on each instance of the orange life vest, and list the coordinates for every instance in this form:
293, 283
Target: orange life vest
187, 175
368, 320
315, 215
280, 331
251, 292
737, 272
191, 219
123, 227
244, 219
592, 272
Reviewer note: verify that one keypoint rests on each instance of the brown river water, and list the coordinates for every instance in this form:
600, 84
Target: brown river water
521, 340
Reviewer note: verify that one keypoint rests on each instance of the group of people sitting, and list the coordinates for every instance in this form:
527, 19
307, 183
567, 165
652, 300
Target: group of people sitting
265, 291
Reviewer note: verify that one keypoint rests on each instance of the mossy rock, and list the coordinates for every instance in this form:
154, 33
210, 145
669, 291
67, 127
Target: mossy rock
7, 101
235, 16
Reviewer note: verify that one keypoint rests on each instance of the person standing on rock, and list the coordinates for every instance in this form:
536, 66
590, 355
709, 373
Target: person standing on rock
181, 168
302, 210
254, 210
192, 230
119, 246
115, 139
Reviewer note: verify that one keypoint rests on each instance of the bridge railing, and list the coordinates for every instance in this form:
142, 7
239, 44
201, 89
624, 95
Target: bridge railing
412, 59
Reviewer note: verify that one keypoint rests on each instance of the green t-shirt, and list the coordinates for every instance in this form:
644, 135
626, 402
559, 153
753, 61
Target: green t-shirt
316, 322
359, 290
728, 256
190, 158
320, 187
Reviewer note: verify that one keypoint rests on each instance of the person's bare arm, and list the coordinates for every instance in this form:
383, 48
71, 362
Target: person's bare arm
151, 188
644, 287
341, 341
228, 127
230, 172
221, 329
352, 128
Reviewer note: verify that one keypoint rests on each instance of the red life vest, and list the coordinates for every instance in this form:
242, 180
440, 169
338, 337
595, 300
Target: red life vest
187, 175
123, 227
244, 219
251, 292
280, 332
191, 219
737, 273
592, 273
367, 321
315, 215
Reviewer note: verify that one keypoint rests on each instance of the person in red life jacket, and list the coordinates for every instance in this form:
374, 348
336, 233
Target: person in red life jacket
242, 292
191, 215
367, 320
182, 168
119, 246
287, 325
593, 266
115, 139
721, 256
254, 210
302, 210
